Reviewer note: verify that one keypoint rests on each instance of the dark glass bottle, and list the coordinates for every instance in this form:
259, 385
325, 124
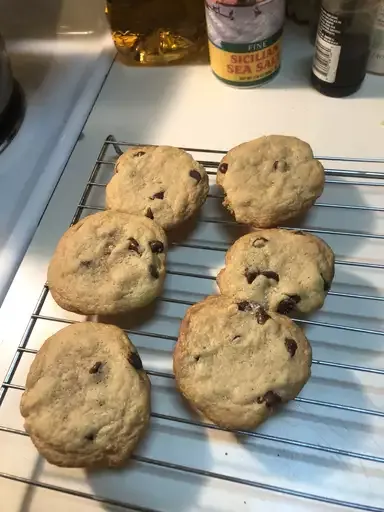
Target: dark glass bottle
342, 46
314, 21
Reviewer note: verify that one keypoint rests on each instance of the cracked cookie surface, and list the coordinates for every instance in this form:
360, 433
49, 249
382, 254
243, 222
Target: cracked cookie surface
284, 270
108, 263
235, 363
87, 398
270, 180
163, 183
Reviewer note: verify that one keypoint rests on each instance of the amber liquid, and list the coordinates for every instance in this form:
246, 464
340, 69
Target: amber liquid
157, 31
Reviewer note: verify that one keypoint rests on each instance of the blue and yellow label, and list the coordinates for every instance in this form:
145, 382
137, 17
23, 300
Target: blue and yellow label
246, 64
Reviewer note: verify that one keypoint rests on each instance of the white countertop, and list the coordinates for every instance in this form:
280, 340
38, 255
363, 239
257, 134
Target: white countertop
60, 54
187, 106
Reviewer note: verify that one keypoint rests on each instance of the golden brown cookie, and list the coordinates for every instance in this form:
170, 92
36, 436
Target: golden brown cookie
269, 180
161, 182
235, 363
108, 263
87, 398
284, 270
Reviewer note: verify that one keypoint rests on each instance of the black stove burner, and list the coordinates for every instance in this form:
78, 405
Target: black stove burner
12, 117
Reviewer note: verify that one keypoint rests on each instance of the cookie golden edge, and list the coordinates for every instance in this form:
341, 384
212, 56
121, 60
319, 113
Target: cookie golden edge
275, 220
260, 232
233, 424
192, 212
72, 460
70, 305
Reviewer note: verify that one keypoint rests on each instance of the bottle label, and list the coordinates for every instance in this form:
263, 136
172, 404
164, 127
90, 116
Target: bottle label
328, 46
245, 39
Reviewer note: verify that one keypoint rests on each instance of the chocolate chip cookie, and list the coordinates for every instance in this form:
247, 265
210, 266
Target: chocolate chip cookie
270, 180
108, 263
161, 182
87, 398
236, 363
284, 270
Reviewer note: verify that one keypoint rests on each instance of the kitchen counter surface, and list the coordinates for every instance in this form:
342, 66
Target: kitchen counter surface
342, 405
188, 106
60, 54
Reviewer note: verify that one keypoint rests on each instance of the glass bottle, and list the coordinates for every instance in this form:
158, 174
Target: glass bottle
342, 46
157, 31
314, 20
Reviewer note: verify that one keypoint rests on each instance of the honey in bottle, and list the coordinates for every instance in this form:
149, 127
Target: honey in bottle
157, 31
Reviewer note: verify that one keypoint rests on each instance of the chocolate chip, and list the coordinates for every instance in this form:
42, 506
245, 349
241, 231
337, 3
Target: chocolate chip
149, 213
157, 247
289, 304
196, 358
255, 308
135, 361
195, 175
96, 367
326, 285
139, 153
271, 399
244, 306
271, 275
158, 195
133, 245
280, 165
91, 436
154, 271
86, 264
259, 242
261, 315
251, 275
291, 346
108, 249
223, 168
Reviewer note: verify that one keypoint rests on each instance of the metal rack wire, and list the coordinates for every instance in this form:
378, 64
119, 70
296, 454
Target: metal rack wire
366, 178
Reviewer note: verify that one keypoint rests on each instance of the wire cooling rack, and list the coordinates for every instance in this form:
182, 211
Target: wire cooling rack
327, 446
